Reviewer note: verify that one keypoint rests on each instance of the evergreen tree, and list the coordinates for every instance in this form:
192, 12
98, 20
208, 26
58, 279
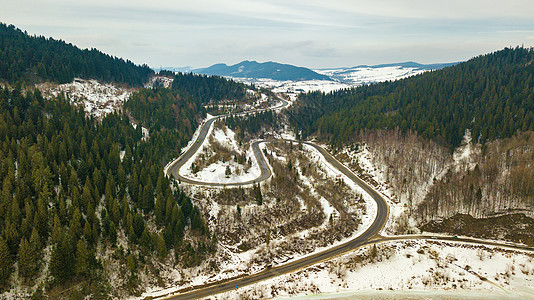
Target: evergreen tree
257, 194
27, 261
82, 262
62, 260
25, 58
6, 264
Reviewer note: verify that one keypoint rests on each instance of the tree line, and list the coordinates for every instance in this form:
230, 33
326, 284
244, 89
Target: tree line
254, 124
33, 59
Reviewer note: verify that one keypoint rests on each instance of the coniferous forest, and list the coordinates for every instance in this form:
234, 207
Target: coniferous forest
32, 59
209, 88
493, 95
74, 186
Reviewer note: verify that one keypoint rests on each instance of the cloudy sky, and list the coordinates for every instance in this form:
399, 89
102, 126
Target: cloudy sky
311, 33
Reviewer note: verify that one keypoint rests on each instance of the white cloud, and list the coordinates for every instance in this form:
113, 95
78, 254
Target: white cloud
314, 33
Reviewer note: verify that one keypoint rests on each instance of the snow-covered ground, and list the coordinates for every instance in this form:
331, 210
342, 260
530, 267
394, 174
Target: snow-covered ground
414, 269
97, 99
365, 75
216, 172
464, 156
363, 158
294, 87
372, 209
164, 81
232, 262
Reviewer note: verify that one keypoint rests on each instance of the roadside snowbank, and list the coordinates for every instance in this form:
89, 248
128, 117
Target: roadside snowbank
421, 269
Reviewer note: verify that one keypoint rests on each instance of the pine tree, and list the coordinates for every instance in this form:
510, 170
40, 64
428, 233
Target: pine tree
6, 263
145, 239
82, 267
258, 195
62, 260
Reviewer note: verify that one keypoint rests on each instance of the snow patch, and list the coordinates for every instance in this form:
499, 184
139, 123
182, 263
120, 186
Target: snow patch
420, 268
164, 81
216, 172
464, 156
97, 99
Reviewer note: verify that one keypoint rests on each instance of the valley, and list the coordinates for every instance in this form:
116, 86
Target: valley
397, 180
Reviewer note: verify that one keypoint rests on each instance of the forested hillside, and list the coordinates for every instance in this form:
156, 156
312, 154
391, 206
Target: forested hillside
32, 59
493, 95
161, 108
88, 201
209, 88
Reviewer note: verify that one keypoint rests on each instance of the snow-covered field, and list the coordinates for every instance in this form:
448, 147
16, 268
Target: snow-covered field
97, 99
291, 87
365, 75
412, 269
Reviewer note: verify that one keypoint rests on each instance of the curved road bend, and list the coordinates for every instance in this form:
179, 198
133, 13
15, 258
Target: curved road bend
174, 169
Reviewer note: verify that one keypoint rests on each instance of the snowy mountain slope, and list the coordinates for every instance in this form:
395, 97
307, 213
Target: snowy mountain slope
371, 74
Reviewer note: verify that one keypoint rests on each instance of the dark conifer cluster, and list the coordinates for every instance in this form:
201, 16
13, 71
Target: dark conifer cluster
209, 88
493, 95
253, 124
75, 185
32, 59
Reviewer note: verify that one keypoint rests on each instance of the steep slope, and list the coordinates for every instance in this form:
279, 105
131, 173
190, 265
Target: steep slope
272, 70
32, 59
75, 191
454, 141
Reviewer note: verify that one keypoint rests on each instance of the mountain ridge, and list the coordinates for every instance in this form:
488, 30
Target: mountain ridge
254, 69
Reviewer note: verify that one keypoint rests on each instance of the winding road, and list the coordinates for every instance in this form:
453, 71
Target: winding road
176, 165
370, 236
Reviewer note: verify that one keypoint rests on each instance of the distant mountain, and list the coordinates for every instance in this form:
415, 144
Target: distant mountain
271, 70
